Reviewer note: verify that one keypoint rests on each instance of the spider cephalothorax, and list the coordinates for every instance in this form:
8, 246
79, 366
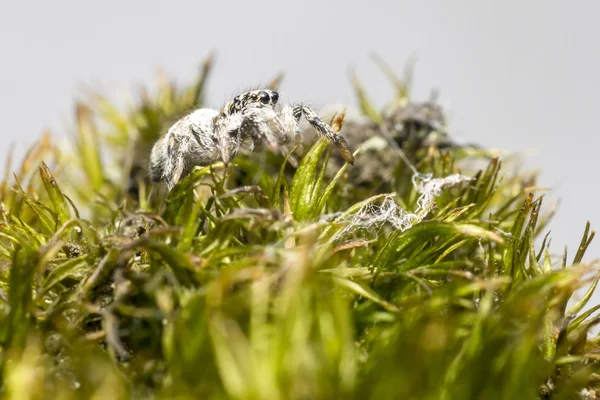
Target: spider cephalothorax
206, 136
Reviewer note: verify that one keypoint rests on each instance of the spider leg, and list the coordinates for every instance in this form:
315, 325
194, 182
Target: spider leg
227, 132
174, 167
290, 157
264, 124
290, 118
297, 112
324, 130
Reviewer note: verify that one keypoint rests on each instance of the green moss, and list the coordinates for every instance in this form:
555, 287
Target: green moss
240, 284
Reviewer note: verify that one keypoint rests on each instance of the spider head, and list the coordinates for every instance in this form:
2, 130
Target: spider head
263, 96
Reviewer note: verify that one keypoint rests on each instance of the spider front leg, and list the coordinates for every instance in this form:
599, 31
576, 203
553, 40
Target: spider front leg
263, 124
291, 128
324, 130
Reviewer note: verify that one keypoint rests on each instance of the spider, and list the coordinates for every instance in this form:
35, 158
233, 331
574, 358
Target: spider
424, 122
206, 136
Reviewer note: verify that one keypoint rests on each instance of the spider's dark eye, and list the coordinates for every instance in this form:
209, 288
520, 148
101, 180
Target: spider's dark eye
265, 98
274, 97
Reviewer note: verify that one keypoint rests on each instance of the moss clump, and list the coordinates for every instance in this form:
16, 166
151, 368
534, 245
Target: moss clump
251, 282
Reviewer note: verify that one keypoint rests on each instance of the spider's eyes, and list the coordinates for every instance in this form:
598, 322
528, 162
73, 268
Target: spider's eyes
274, 97
265, 98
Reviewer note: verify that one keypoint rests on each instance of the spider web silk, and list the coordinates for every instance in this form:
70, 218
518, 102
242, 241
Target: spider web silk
374, 217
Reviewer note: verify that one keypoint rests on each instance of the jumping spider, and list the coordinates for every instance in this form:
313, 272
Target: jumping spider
424, 123
206, 136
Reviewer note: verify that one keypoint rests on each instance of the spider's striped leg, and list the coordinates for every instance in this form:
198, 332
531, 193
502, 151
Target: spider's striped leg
324, 130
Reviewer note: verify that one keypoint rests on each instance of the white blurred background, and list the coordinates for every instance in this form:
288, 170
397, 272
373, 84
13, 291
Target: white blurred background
514, 75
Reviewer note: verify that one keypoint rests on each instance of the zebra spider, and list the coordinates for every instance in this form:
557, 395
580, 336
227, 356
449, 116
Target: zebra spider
206, 136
